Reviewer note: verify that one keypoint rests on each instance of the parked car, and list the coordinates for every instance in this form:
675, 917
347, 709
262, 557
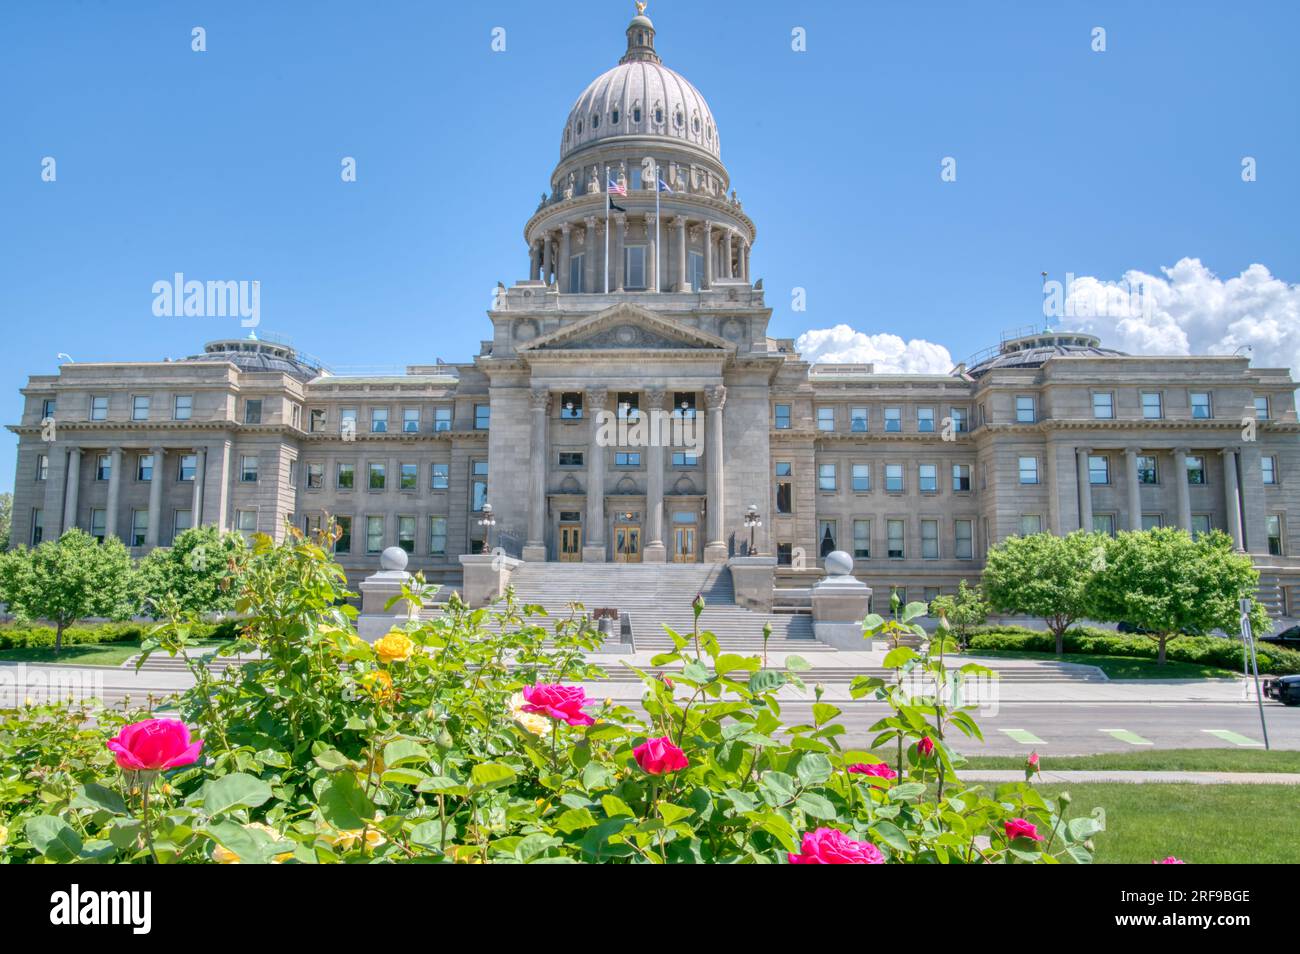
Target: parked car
1288, 638
1285, 689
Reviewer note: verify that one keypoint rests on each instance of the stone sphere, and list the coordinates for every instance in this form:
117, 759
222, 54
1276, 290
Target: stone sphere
394, 558
838, 563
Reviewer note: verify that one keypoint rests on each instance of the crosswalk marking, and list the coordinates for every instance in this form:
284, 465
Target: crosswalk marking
1236, 738
1023, 737
1124, 735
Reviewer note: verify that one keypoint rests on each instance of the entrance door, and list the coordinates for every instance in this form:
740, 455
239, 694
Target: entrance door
570, 543
627, 544
683, 544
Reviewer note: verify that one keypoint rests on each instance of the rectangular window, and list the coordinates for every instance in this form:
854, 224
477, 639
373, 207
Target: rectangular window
858, 420
925, 420
826, 537
627, 459
826, 478
144, 467
374, 534
960, 420
345, 477
439, 476
1152, 521
1201, 407
98, 519
1152, 405
695, 271
929, 539
683, 459
1030, 523
293, 473
410, 420
894, 478
482, 416
479, 485
1103, 405
406, 533
379, 420
139, 527
1029, 470
826, 419
408, 477
861, 478
635, 274
784, 554
348, 423
684, 404
1026, 411
862, 539
893, 420
1268, 467
378, 478
438, 536
38, 526
1200, 524
186, 467
1195, 470
571, 406
782, 417
47, 408
42, 466
960, 478
183, 407
1098, 469
316, 420
344, 542
315, 475
576, 263
1146, 468
629, 405
784, 487
253, 411
894, 545
571, 458
1104, 523
248, 468
1274, 534
963, 540
182, 520
140, 408
1261, 409
99, 408
927, 478
441, 419
103, 467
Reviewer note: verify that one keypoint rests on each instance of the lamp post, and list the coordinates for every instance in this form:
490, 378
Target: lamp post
753, 523
487, 522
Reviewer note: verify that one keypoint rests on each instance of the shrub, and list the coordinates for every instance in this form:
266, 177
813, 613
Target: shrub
36, 636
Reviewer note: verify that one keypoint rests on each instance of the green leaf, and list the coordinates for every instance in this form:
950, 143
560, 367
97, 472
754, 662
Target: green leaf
237, 790
818, 806
696, 672
615, 806
531, 846
400, 751
730, 662
814, 768
491, 775
778, 785
797, 664
403, 776
891, 835
332, 760
907, 790
898, 657
442, 785
575, 819
766, 680
672, 814
97, 797
824, 712
344, 804
53, 838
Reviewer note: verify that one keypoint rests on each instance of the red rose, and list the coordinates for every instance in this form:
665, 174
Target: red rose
659, 756
562, 703
154, 745
1019, 828
830, 846
925, 748
875, 770
1171, 860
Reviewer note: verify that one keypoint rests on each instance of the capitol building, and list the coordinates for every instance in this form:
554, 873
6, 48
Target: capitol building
630, 406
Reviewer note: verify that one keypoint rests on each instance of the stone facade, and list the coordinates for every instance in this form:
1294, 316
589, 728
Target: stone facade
630, 405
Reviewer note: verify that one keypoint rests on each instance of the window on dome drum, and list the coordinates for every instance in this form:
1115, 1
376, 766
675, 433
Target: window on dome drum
861, 478
379, 420
927, 478
826, 478
1200, 524
595, 120
438, 476
579, 127
826, 419
1152, 521
571, 406
613, 117
784, 487
345, 477
378, 478
894, 478
1029, 470
782, 417
1030, 523
634, 277
695, 124
577, 270
826, 536
929, 539
1098, 469
1103, 405
1026, 409
1152, 405
410, 420
862, 539
1104, 523
893, 419
1261, 409
677, 119
925, 420
695, 271
253, 411
408, 476
858, 420
1202, 410
659, 117
1196, 470
634, 178
1274, 534
963, 540
636, 114
1147, 471
1268, 467
960, 478
894, 535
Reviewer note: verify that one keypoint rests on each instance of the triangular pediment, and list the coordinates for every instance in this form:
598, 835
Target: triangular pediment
626, 327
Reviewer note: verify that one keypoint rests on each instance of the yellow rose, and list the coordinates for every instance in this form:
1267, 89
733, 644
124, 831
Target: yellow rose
4, 834
379, 684
534, 722
347, 840
395, 647
224, 856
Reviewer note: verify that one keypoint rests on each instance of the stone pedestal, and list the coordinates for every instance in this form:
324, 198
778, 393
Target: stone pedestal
593, 553
753, 578
534, 554
486, 577
377, 617
839, 605
654, 553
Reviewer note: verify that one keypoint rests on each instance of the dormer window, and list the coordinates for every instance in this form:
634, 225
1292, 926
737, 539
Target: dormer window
579, 127
695, 125
636, 114
677, 119
613, 117
659, 116
595, 120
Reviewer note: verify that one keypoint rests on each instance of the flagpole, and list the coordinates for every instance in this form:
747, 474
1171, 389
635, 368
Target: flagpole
608, 200
658, 277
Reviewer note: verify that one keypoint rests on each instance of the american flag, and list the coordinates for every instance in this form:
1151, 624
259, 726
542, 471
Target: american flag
616, 188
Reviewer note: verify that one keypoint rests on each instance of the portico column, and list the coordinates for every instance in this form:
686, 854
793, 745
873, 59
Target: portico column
546, 258
539, 403
114, 492
1085, 488
589, 262
708, 254
1232, 497
73, 488
655, 550
620, 236
1134, 489
534, 261
726, 254
1180, 486
744, 259
200, 468
1053, 498
593, 549
566, 247
715, 551
652, 251
152, 535
680, 222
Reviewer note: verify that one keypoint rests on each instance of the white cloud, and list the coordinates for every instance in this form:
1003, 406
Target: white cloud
1190, 310
889, 353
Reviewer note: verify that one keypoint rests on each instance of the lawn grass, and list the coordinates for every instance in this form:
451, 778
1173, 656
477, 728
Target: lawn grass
1155, 760
1201, 824
1116, 667
84, 654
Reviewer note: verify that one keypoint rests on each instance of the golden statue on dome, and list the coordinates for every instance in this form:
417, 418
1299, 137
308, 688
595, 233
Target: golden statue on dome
640, 7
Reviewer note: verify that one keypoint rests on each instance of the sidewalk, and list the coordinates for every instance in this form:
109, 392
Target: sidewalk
1135, 778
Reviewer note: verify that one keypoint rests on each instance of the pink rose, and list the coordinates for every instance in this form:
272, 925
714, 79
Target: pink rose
659, 756
925, 748
830, 846
562, 703
1019, 828
1171, 860
1033, 760
875, 770
154, 745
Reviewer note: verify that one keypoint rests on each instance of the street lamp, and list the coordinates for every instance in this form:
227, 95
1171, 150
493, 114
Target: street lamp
752, 522
487, 522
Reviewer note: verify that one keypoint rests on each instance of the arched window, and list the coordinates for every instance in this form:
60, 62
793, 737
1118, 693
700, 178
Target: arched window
659, 116
595, 120
614, 117
579, 127
636, 114
695, 125
677, 119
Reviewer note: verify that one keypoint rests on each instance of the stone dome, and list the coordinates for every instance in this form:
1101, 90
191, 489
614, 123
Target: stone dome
641, 98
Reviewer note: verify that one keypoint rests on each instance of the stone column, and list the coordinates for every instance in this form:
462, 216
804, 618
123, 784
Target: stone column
1085, 489
744, 259
652, 254
656, 550
1180, 486
546, 258
726, 254
566, 247
589, 263
1134, 488
200, 468
154, 536
682, 285
1254, 519
708, 254
593, 547
534, 261
715, 550
1232, 496
114, 492
620, 236
73, 488
539, 404
1053, 485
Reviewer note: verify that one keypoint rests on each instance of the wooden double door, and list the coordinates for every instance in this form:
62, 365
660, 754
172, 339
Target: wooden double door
570, 550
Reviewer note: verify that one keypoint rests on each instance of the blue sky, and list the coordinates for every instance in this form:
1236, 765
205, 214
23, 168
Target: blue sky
225, 164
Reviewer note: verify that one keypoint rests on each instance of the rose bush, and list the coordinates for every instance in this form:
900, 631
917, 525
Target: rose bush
452, 741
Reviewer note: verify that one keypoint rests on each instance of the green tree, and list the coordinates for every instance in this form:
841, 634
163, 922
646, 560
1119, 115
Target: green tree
68, 579
6, 519
963, 611
194, 575
1168, 584
1046, 576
